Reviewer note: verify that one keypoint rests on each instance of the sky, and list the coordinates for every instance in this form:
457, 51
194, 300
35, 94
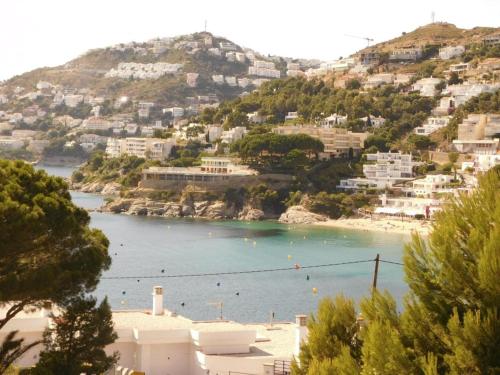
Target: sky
37, 33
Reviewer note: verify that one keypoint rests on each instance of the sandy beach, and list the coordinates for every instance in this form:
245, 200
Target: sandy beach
380, 225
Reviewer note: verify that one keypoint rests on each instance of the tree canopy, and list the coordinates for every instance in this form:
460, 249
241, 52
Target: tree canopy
75, 344
48, 253
451, 318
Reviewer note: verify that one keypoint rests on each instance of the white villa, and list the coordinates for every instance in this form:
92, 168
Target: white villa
158, 342
432, 124
333, 120
430, 185
408, 206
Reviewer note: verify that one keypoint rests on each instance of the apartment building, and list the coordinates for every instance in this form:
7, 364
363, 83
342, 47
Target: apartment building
149, 148
478, 134
492, 40
382, 170
406, 54
97, 123
338, 142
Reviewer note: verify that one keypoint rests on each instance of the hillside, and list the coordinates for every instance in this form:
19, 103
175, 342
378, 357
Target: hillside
200, 53
438, 33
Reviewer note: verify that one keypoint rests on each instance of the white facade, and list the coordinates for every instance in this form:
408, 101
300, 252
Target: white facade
431, 185
447, 53
159, 342
73, 100
233, 135
408, 206
96, 123
151, 148
214, 132
143, 71
426, 86
333, 120
432, 124
389, 168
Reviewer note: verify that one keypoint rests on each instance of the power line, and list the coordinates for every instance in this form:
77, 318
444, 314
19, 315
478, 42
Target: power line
238, 272
391, 262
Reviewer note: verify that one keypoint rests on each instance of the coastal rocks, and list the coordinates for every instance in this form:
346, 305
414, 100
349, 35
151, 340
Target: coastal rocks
300, 215
217, 210
92, 187
172, 209
119, 205
251, 214
111, 189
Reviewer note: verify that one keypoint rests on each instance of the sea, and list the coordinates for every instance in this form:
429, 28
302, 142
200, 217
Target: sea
251, 271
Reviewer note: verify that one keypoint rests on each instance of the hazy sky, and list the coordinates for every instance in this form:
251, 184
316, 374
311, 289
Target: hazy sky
35, 33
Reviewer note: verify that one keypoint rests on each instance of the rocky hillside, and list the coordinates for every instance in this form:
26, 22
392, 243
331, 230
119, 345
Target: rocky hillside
201, 53
438, 33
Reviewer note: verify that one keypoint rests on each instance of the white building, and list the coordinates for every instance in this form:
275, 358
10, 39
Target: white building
431, 185
406, 54
96, 123
408, 206
388, 169
426, 86
214, 132
73, 100
263, 69
192, 79
150, 148
478, 134
450, 52
218, 79
175, 111
484, 163
159, 342
432, 124
291, 116
459, 68
233, 135
375, 121
143, 71
333, 120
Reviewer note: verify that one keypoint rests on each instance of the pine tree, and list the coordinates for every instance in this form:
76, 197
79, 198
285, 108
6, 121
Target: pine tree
76, 344
333, 331
452, 310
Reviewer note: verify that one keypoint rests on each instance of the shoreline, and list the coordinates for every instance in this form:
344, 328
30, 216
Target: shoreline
383, 225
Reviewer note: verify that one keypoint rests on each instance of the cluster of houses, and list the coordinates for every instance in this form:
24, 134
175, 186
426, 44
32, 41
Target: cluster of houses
157, 341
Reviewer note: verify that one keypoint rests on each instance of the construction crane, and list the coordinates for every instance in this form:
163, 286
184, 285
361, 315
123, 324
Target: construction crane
368, 40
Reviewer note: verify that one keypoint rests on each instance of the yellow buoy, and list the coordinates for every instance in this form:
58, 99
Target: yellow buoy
254, 243
315, 291
305, 238
289, 257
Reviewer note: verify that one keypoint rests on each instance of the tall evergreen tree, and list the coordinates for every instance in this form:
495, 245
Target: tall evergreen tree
451, 320
76, 344
47, 250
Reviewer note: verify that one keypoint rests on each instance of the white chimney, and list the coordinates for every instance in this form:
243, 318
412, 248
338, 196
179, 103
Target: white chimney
301, 332
157, 300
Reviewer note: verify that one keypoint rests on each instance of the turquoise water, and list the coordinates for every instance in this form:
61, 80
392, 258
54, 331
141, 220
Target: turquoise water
144, 246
